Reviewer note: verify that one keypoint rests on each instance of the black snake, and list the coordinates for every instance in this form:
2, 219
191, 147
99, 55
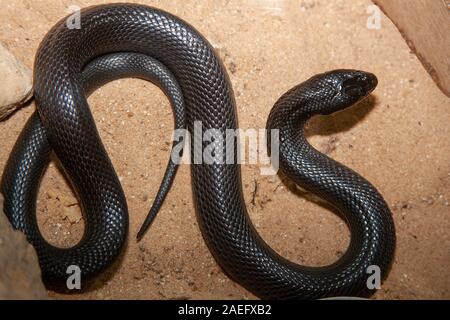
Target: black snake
200, 90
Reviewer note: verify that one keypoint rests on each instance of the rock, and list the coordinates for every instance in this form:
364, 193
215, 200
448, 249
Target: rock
416, 22
72, 214
51, 194
16, 86
68, 200
20, 276
71, 209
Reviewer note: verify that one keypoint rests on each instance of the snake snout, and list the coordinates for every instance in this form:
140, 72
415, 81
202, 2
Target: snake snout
350, 87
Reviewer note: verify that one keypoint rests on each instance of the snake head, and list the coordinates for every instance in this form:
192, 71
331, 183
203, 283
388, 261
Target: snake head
348, 87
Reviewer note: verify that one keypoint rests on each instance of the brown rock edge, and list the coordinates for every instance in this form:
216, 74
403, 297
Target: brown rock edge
20, 275
16, 86
416, 21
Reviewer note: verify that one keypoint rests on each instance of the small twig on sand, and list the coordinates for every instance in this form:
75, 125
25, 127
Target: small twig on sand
255, 193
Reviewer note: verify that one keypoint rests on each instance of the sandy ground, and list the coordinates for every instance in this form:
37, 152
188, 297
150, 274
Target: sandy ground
399, 140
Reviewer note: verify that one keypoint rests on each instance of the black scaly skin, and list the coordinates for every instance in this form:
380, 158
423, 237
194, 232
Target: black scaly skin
365, 211
31, 155
220, 205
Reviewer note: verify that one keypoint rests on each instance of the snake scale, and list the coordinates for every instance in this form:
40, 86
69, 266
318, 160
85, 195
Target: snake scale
200, 90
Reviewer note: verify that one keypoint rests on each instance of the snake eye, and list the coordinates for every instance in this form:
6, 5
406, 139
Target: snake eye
359, 85
352, 90
352, 87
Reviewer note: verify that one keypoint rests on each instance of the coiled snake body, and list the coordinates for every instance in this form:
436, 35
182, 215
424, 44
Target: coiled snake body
207, 96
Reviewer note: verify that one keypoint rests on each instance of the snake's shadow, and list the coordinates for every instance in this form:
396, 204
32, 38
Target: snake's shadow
338, 122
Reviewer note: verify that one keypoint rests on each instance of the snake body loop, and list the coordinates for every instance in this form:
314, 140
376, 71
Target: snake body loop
31, 156
220, 205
